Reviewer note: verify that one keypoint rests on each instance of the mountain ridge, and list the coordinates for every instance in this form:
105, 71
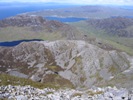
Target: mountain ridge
90, 11
31, 26
74, 62
118, 26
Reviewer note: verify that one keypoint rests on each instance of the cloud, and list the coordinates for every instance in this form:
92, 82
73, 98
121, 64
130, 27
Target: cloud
117, 2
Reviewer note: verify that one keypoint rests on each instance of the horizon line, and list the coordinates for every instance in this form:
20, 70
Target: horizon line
67, 3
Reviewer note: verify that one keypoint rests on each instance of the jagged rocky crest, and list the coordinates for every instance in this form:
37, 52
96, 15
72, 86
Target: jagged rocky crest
65, 62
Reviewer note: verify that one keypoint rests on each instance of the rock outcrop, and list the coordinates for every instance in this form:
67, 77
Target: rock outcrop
77, 62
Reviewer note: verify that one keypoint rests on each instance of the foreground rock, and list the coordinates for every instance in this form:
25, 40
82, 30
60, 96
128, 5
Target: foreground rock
30, 93
67, 62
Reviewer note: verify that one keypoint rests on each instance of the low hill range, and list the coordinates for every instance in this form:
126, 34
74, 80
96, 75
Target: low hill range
31, 26
22, 27
91, 12
118, 26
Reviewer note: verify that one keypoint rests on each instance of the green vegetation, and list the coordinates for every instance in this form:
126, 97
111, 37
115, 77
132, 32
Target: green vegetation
78, 60
119, 43
54, 68
123, 40
12, 80
77, 94
82, 79
96, 76
19, 33
49, 92
119, 78
113, 70
120, 47
123, 80
101, 62
57, 81
94, 93
77, 67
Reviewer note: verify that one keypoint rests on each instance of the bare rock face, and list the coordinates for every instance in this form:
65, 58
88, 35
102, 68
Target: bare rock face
75, 62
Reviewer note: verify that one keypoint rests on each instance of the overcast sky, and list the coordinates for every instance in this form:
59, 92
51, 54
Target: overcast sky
112, 2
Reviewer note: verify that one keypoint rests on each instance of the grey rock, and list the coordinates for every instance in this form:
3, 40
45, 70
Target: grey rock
107, 93
81, 63
17, 74
21, 97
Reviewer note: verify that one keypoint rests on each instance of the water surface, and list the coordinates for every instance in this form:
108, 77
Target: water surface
14, 43
12, 9
67, 19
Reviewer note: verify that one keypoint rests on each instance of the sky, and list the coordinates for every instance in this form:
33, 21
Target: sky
100, 2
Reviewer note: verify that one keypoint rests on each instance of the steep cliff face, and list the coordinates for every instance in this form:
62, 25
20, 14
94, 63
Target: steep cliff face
66, 62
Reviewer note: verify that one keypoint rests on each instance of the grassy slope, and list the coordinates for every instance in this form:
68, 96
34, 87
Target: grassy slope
18, 33
12, 80
120, 43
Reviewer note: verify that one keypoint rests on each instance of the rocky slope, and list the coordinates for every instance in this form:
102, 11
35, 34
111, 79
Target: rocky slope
35, 27
67, 63
29, 93
119, 26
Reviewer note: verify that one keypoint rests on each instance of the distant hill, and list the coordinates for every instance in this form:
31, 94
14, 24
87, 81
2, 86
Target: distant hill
8, 9
118, 26
114, 32
30, 27
95, 12
35, 27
